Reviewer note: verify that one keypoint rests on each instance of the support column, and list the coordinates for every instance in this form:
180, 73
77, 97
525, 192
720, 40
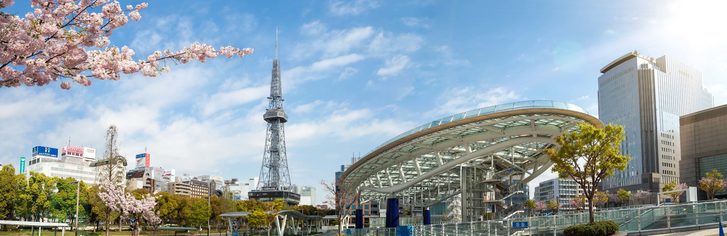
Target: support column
392, 212
359, 219
427, 216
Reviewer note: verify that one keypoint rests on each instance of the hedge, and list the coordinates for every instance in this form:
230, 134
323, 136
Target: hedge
598, 228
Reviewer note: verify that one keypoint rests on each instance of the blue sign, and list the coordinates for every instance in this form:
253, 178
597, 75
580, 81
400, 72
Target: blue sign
45, 151
519, 224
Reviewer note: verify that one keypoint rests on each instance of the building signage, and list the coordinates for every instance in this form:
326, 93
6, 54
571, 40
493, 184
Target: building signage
22, 165
143, 160
72, 151
45, 151
519, 224
89, 152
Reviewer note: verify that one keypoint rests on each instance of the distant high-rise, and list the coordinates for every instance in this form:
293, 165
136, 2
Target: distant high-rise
647, 96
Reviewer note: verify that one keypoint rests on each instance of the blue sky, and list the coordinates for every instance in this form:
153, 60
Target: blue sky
355, 74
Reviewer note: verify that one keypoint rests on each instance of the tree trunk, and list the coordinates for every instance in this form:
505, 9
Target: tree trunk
590, 211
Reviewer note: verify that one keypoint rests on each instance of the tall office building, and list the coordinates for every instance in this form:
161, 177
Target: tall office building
647, 96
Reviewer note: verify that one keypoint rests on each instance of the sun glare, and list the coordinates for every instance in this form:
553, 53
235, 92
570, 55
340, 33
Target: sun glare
698, 23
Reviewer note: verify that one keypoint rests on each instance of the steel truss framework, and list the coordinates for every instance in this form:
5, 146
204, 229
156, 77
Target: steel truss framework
490, 146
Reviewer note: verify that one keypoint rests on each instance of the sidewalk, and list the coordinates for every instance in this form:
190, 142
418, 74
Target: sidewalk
704, 232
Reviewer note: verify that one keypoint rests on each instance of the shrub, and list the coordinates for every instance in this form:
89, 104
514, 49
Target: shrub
598, 228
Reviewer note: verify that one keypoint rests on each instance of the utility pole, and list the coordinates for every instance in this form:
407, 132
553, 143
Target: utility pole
209, 204
78, 191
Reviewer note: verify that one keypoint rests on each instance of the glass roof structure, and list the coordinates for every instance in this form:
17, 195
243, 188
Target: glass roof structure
504, 141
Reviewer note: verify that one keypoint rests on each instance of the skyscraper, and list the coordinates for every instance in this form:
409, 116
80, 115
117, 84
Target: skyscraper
647, 96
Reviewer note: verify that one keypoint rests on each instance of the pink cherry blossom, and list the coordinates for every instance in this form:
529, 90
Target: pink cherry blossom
68, 40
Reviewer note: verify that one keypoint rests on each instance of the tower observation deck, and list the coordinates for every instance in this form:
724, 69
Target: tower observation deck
274, 175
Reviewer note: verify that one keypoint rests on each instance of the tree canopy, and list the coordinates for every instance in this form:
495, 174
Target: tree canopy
588, 155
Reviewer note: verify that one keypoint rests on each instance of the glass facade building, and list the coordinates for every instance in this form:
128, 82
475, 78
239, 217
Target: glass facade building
647, 96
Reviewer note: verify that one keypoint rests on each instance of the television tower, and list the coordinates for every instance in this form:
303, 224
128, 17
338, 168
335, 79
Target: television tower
274, 176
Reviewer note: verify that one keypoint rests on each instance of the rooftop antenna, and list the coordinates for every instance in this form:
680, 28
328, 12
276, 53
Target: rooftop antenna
69, 140
276, 42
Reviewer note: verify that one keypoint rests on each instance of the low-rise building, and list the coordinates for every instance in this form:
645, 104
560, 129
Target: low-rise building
561, 190
193, 188
703, 137
74, 162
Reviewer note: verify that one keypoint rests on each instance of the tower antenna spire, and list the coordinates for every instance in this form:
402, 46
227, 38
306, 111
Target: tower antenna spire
274, 181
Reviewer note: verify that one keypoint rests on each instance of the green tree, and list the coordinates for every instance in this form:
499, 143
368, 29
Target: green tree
33, 202
530, 205
601, 198
712, 183
221, 205
8, 191
553, 205
623, 196
588, 155
675, 190
168, 207
63, 203
199, 212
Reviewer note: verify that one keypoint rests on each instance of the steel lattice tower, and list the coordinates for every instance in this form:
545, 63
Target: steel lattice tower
274, 175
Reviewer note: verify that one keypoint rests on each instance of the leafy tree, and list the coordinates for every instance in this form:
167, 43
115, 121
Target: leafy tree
676, 190
530, 205
64, 201
8, 191
712, 183
623, 196
553, 205
601, 198
588, 155
221, 205
200, 212
70, 40
578, 202
168, 207
33, 202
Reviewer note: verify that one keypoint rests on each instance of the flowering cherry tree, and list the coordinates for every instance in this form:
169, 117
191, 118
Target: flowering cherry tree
68, 40
116, 199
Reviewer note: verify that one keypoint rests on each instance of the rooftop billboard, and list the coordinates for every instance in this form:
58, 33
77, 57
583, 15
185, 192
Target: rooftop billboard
45, 151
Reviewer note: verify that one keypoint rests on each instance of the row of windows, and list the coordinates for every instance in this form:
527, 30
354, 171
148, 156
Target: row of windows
667, 157
667, 164
668, 172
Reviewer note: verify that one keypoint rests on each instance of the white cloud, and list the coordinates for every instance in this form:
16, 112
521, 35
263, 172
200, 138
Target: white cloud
386, 43
394, 66
342, 8
447, 57
227, 99
347, 73
344, 124
329, 63
313, 28
415, 22
457, 100
22, 114
330, 42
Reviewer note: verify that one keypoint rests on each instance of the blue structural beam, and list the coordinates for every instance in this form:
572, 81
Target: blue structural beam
392, 212
359, 219
427, 216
